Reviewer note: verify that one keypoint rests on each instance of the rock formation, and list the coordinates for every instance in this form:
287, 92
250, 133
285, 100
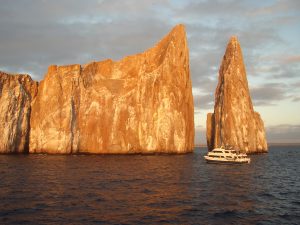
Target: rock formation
234, 121
140, 104
16, 93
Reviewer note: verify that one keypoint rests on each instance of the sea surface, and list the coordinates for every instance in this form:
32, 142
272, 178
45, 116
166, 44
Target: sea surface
150, 189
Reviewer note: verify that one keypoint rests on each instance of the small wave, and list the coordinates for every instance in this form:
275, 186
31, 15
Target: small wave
147, 191
227, 213
100, 200
289, 217
296, 202
266, 195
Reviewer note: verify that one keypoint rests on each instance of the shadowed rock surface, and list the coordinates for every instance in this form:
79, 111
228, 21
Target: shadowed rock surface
234, 121
140, 104
16, 93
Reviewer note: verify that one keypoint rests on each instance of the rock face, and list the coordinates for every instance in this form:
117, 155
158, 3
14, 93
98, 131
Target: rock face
16, 93
234, 121
141, 104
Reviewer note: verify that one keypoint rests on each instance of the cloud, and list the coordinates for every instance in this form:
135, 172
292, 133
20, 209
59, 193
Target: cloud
278, 66
296, 99
204, 101
287, 6
194, 9
291, 59
295, 85
286, 133
269, 94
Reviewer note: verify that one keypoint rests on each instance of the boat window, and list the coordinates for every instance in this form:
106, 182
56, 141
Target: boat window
217, 151
226, 151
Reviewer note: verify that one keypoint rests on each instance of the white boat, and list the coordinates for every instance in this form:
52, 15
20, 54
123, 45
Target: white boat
222, 155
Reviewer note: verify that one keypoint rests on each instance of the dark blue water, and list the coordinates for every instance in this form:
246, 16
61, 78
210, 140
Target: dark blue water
152, 189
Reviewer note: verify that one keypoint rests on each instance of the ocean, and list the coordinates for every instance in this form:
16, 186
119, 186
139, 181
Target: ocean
150, 189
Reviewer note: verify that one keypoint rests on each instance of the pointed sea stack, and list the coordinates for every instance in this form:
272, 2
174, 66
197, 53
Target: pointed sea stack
140, 104
16, 94
234, 121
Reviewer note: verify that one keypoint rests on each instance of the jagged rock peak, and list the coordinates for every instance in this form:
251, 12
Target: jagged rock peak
234, 121
233, 44
140, 104
234, 41
178, 32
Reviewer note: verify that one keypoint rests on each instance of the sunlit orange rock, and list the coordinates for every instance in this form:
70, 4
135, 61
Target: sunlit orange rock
234, 121
16, 93
140, 104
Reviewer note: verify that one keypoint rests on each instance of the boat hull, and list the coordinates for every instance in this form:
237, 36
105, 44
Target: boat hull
226, 162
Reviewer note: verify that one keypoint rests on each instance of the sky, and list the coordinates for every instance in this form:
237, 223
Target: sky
37, 33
